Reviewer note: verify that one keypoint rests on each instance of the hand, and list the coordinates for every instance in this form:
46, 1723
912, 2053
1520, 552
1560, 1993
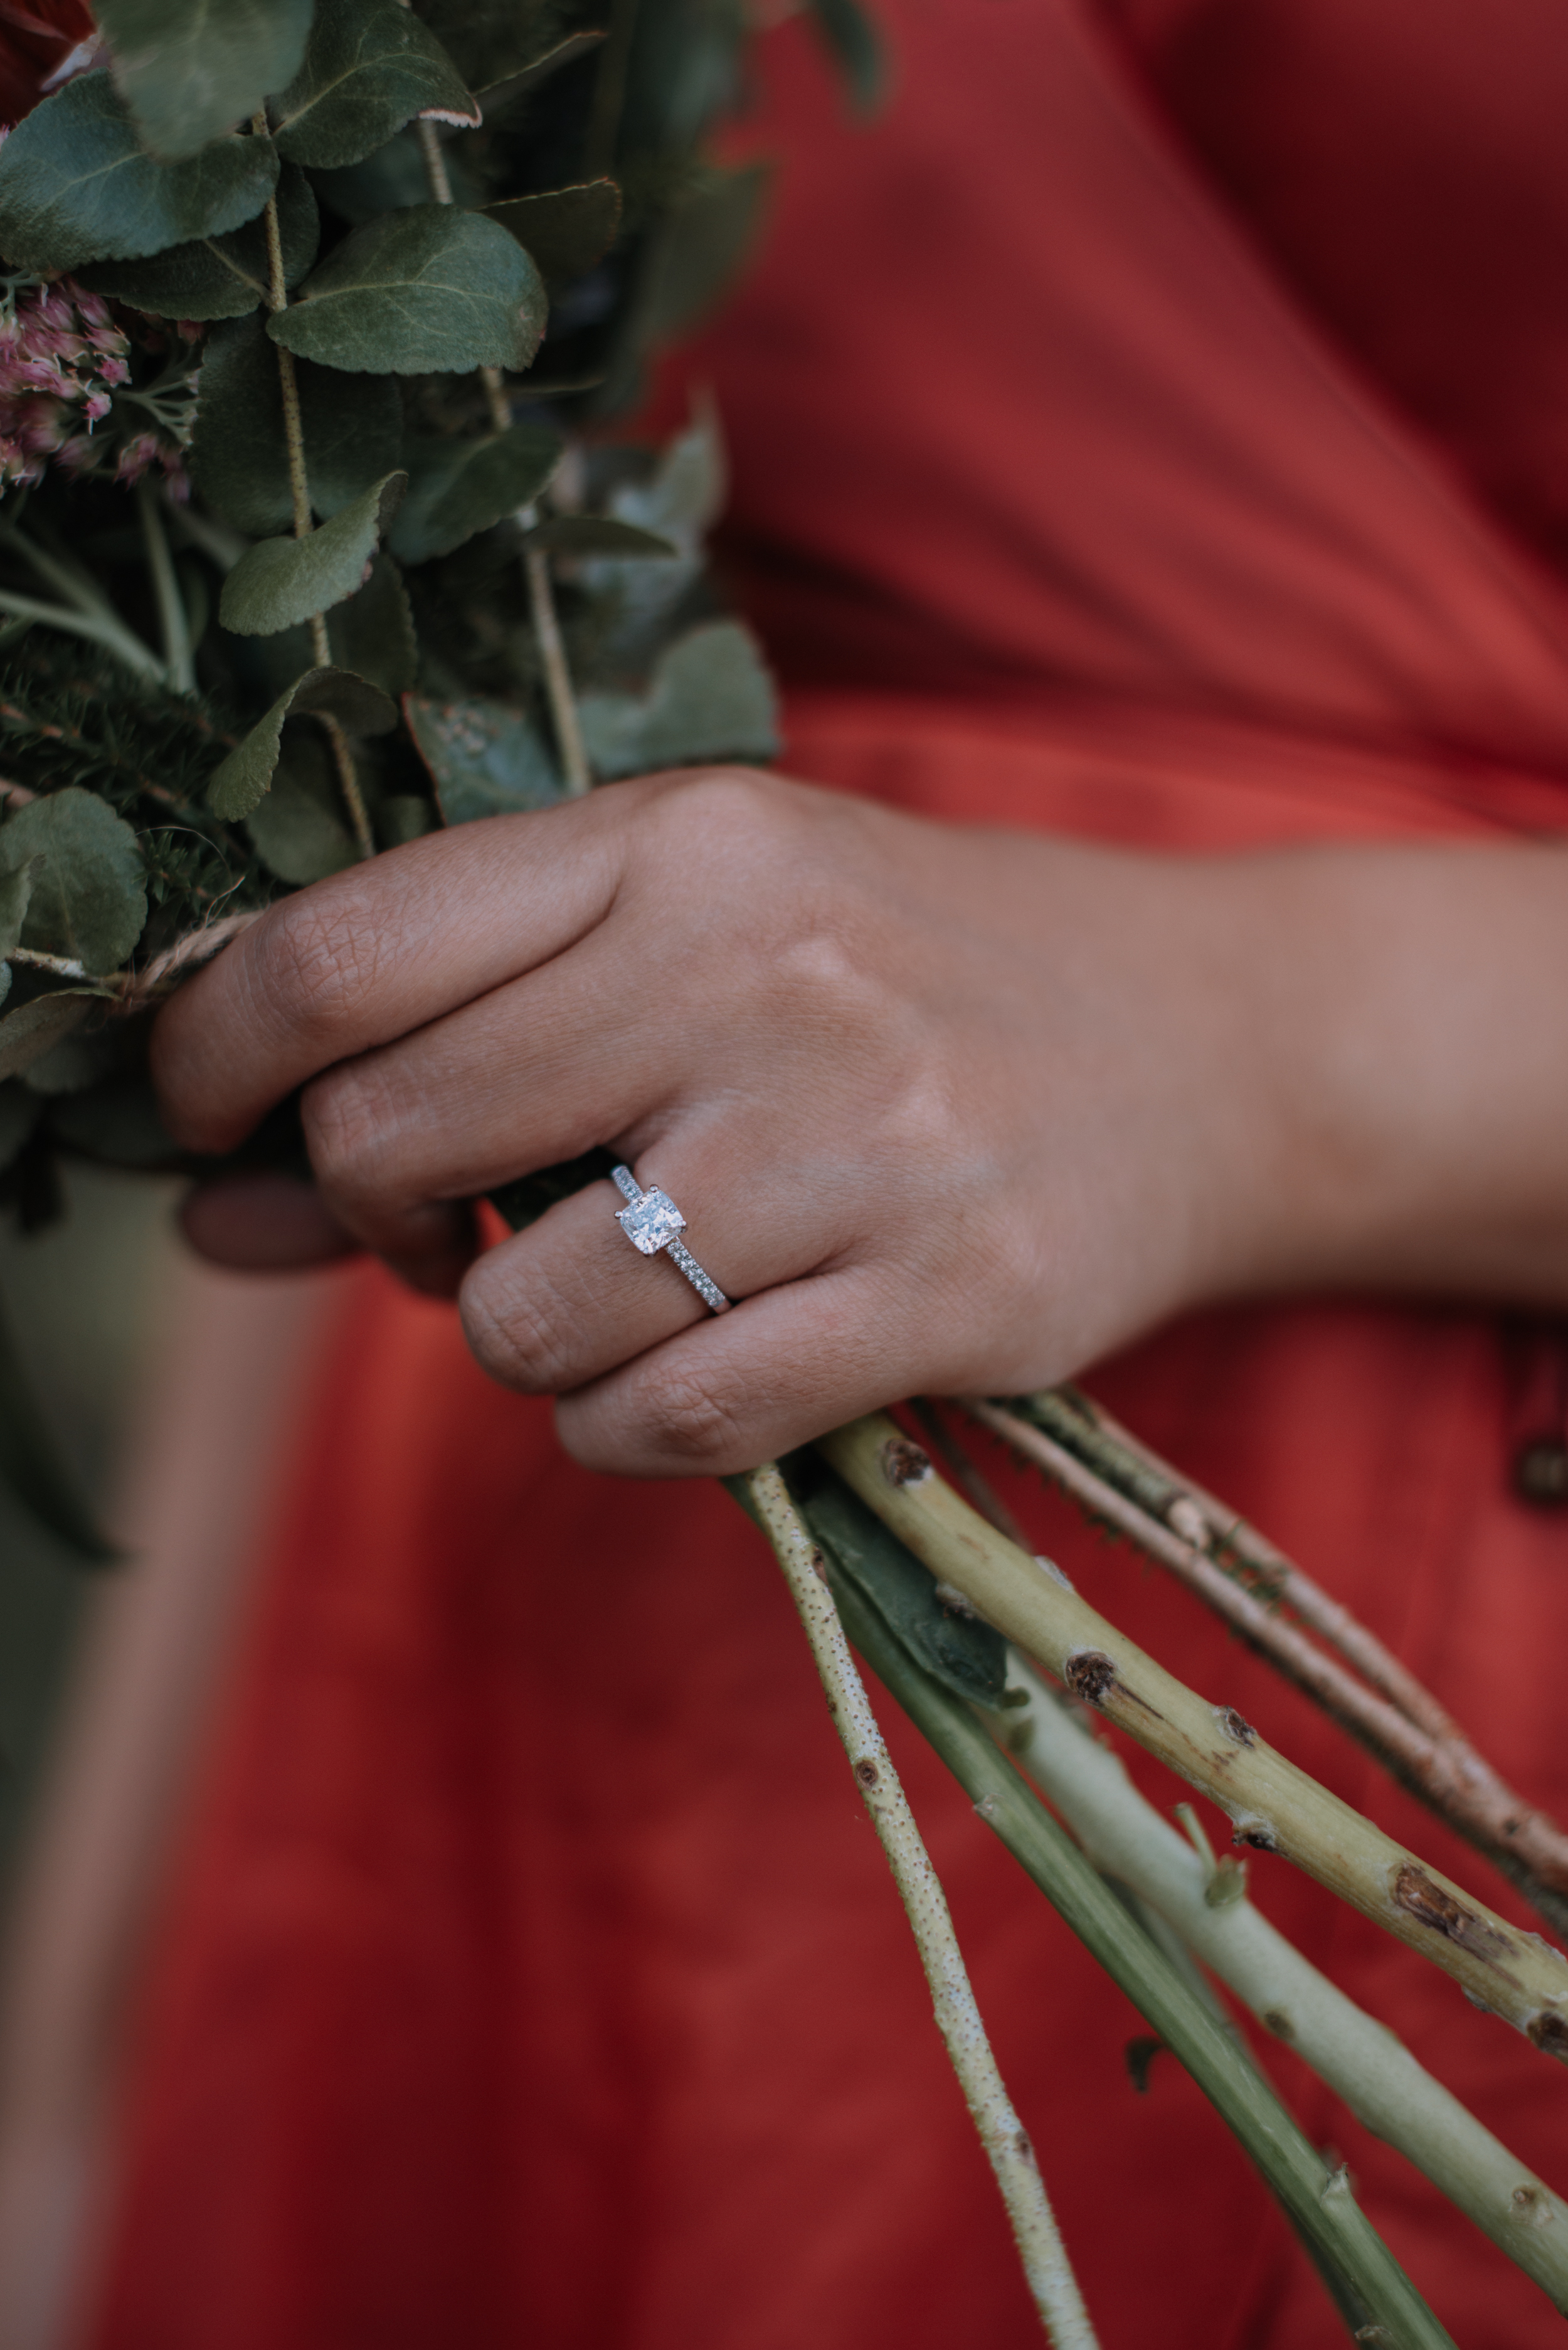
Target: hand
947, 1110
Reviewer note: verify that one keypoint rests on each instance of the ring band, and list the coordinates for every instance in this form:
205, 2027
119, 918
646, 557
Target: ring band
651, 1222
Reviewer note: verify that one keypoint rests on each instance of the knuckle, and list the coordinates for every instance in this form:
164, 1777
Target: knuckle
687, 1417
314, 965
518, 1332
349, 1124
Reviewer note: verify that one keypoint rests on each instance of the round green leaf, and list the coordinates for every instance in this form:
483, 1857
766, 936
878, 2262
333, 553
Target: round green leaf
370, 66
425, 291
297, 829
245, 775
353, 428
484, 758
566, 230
74, 184
89, 898
459, 487
284, 581
572, 533
189, 68
217, 276
709, 697
16, 890
35, 1028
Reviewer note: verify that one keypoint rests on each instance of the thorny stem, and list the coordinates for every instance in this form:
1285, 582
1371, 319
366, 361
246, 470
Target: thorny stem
1272, 1805
171, 619
1406, 1728
1045, 2263
1359, 2058
304, 524
1321, 2205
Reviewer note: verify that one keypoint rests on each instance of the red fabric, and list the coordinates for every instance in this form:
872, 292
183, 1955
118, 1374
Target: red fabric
530, 1974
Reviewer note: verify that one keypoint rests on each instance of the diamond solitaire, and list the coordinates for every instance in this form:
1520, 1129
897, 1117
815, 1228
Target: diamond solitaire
652, 1222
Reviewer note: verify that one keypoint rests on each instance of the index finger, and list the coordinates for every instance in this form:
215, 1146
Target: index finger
364, 957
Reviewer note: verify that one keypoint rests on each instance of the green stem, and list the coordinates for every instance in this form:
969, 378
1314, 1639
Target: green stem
304, 524
111, 634
1320, 2203
177, 659
609, 91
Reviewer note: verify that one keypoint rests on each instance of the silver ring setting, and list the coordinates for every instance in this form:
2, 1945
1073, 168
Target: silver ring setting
652, 1222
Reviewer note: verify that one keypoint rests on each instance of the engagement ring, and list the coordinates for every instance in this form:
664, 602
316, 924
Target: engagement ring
651, 1222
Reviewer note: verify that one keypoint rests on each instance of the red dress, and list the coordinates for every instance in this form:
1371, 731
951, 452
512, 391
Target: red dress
1191, 477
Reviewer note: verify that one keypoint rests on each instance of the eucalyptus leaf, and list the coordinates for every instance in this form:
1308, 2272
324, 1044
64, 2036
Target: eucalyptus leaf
16, 890
75, 185
371, 634
855, 44
459, 487
484, 758
702, 249
709, 697
88, 898
502, 92
391, 179
247, 771
566, 230
428, 290
296, 829
217, 276
370, 66
284, 581
189, 68
35, 1028
239, 461
586, 534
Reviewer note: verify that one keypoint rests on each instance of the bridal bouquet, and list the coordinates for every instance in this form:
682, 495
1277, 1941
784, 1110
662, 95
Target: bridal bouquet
313, 537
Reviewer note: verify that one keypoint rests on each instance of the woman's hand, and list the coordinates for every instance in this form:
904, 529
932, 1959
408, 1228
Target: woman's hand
945, 1109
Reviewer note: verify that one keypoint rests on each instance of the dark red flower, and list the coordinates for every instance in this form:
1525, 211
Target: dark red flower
41, 42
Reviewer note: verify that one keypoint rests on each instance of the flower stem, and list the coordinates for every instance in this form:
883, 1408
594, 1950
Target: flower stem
111, 634
1320, 2204
1117, 1482
1274, 1807
1049, 2273
304, 522
178, 662
1358, 2057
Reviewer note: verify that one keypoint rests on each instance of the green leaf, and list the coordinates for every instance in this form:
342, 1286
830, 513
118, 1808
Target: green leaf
702, 249
216, 277
405, 817
589, 535
496, 95
31, 1466
710, 697
966, 1656
297, 829
459, 487
239, 461
393, 178
370, 66
35, 1028
189, 68
245, 775
75, 185
88, 897
854, 43
16, 888
565, 230
484, 758
284, 581
426, 291
373, 633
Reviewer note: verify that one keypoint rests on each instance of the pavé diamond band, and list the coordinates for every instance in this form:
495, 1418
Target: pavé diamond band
651, 1222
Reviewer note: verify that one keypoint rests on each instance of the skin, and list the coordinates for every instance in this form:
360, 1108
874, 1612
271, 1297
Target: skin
946, 1110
